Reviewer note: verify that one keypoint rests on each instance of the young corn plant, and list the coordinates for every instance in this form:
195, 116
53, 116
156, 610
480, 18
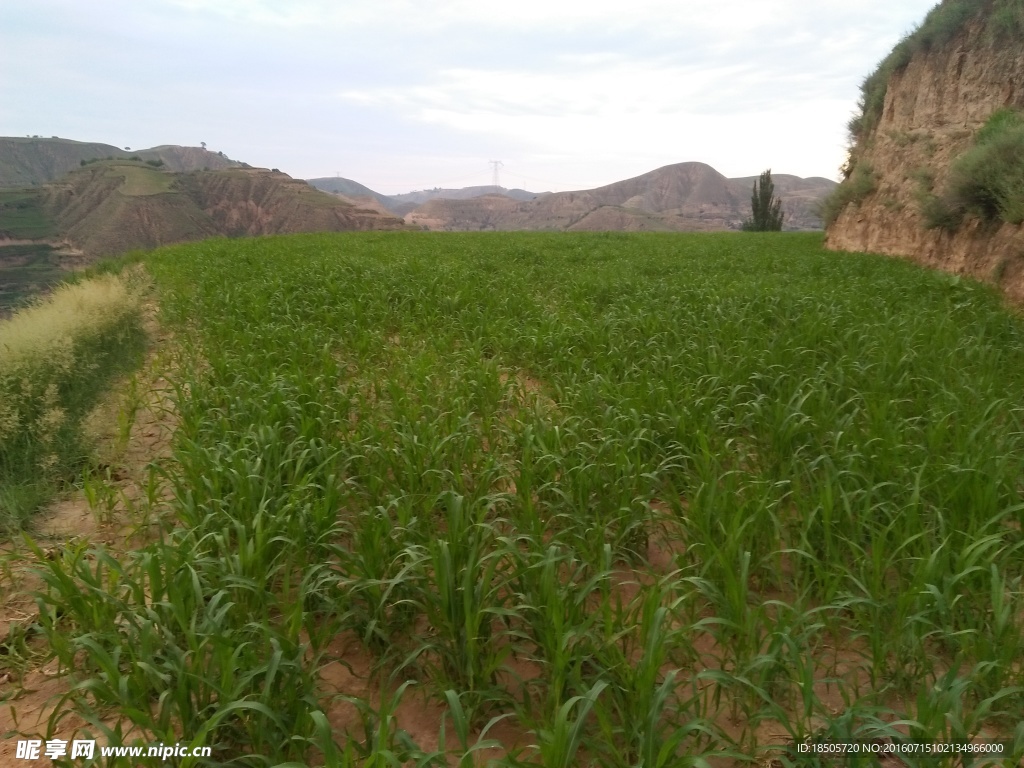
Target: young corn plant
643, 720
467, 608
559, 742
556, 591
381, 579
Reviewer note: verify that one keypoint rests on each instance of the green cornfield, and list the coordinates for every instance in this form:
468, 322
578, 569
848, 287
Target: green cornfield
594, 500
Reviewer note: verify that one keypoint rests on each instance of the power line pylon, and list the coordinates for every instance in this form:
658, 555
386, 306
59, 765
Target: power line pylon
497, 166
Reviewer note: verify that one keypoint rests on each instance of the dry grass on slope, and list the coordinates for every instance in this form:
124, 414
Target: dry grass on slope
55, 358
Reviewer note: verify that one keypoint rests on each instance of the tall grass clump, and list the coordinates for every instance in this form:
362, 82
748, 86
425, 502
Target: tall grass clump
55, 357
1006, 21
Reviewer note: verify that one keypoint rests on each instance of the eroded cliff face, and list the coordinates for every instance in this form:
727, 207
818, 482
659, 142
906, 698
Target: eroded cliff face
933, 110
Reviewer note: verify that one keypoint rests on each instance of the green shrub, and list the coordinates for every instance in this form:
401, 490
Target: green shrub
860, 183
942, 23
925, 177
988, 179
999, 123
874, 88
937, 213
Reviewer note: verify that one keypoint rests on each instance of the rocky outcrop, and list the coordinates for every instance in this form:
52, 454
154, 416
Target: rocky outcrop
936, 100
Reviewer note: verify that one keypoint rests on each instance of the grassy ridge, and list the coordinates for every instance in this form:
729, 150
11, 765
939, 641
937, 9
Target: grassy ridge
453, 447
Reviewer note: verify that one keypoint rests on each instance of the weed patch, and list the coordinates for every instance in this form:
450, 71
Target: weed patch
988, 179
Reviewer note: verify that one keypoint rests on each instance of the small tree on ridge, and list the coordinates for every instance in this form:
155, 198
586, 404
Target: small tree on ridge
766, 209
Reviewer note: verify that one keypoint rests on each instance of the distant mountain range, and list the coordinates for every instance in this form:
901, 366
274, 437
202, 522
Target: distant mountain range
680, 197
407, 202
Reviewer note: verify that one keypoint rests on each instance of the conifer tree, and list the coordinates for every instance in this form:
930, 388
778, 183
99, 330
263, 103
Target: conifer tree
766, 209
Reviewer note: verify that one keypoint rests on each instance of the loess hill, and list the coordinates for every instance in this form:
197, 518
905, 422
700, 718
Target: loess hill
684, 197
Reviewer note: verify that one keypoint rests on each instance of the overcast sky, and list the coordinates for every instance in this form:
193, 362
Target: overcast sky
402, 95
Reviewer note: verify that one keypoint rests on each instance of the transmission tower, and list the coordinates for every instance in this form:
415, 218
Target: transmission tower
497, 166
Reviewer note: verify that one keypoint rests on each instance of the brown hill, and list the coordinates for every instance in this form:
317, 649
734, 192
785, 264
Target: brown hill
26, 162
366, 203
115, 206
939, 148
110, 208
487, 212
680, 197
353, 191
410, 200
184, 159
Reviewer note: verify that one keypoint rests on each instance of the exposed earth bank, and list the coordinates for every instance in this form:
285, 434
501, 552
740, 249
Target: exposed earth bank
938, 93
